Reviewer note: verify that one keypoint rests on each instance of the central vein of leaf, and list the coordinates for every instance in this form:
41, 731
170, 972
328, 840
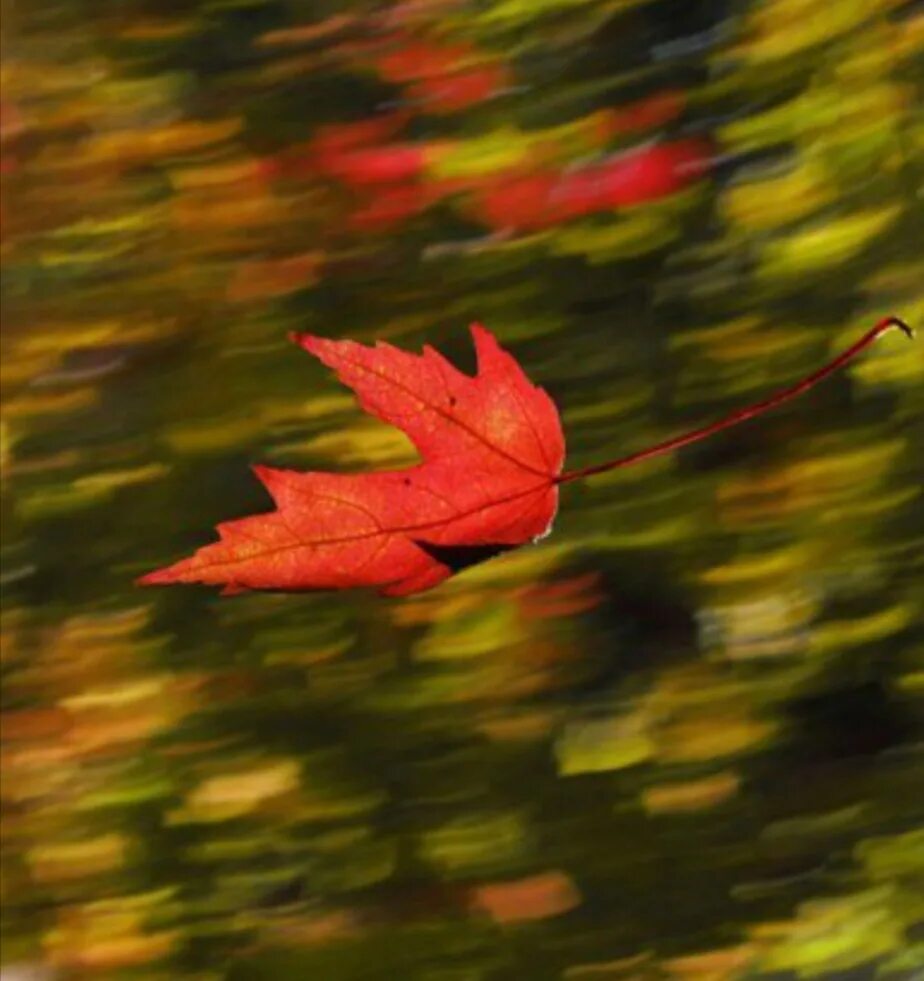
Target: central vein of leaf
375, 533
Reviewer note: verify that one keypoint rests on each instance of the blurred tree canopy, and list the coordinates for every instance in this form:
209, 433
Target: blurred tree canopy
680, 741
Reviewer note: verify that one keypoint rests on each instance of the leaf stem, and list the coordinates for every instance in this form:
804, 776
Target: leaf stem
748, 412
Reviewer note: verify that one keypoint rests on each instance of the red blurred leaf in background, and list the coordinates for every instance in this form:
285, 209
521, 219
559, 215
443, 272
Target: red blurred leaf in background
637, 176
331, 143
408, 60
442, 77
491, 448
379, 165
459, 90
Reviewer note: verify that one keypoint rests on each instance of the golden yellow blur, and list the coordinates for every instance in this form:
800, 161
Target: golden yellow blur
679, 740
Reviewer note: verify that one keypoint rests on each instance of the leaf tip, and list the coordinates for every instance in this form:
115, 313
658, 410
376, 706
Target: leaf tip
486, 344
269, 477
159, 577
307, 342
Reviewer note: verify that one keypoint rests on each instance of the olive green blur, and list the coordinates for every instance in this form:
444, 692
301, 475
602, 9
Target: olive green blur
681, 738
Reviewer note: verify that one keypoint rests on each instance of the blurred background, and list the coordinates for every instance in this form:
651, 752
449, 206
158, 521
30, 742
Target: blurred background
680, 740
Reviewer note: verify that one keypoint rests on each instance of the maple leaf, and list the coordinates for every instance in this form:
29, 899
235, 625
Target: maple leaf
491, 449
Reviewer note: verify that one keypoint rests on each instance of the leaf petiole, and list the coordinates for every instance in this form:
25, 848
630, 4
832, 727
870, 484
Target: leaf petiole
743, 414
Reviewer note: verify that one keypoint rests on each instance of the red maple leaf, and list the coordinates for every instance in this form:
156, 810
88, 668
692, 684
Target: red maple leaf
491, 450
491, 447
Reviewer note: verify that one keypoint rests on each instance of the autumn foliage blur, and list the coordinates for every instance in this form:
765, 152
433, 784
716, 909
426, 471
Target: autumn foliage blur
679, 741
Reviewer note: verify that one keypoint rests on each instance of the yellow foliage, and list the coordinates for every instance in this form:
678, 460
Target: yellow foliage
493, 627
366, 443
895, 857
601, 745
831, 935
763, 204
476, 843
121, 695
138, 146
101, 484
230, 795
634, 234
825, 245
49, 403
216, 436
108, 935
481, 156
653, 534
749, 569
689, 796
225, 174
692, 739
779, 29
78, 859
837, 635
